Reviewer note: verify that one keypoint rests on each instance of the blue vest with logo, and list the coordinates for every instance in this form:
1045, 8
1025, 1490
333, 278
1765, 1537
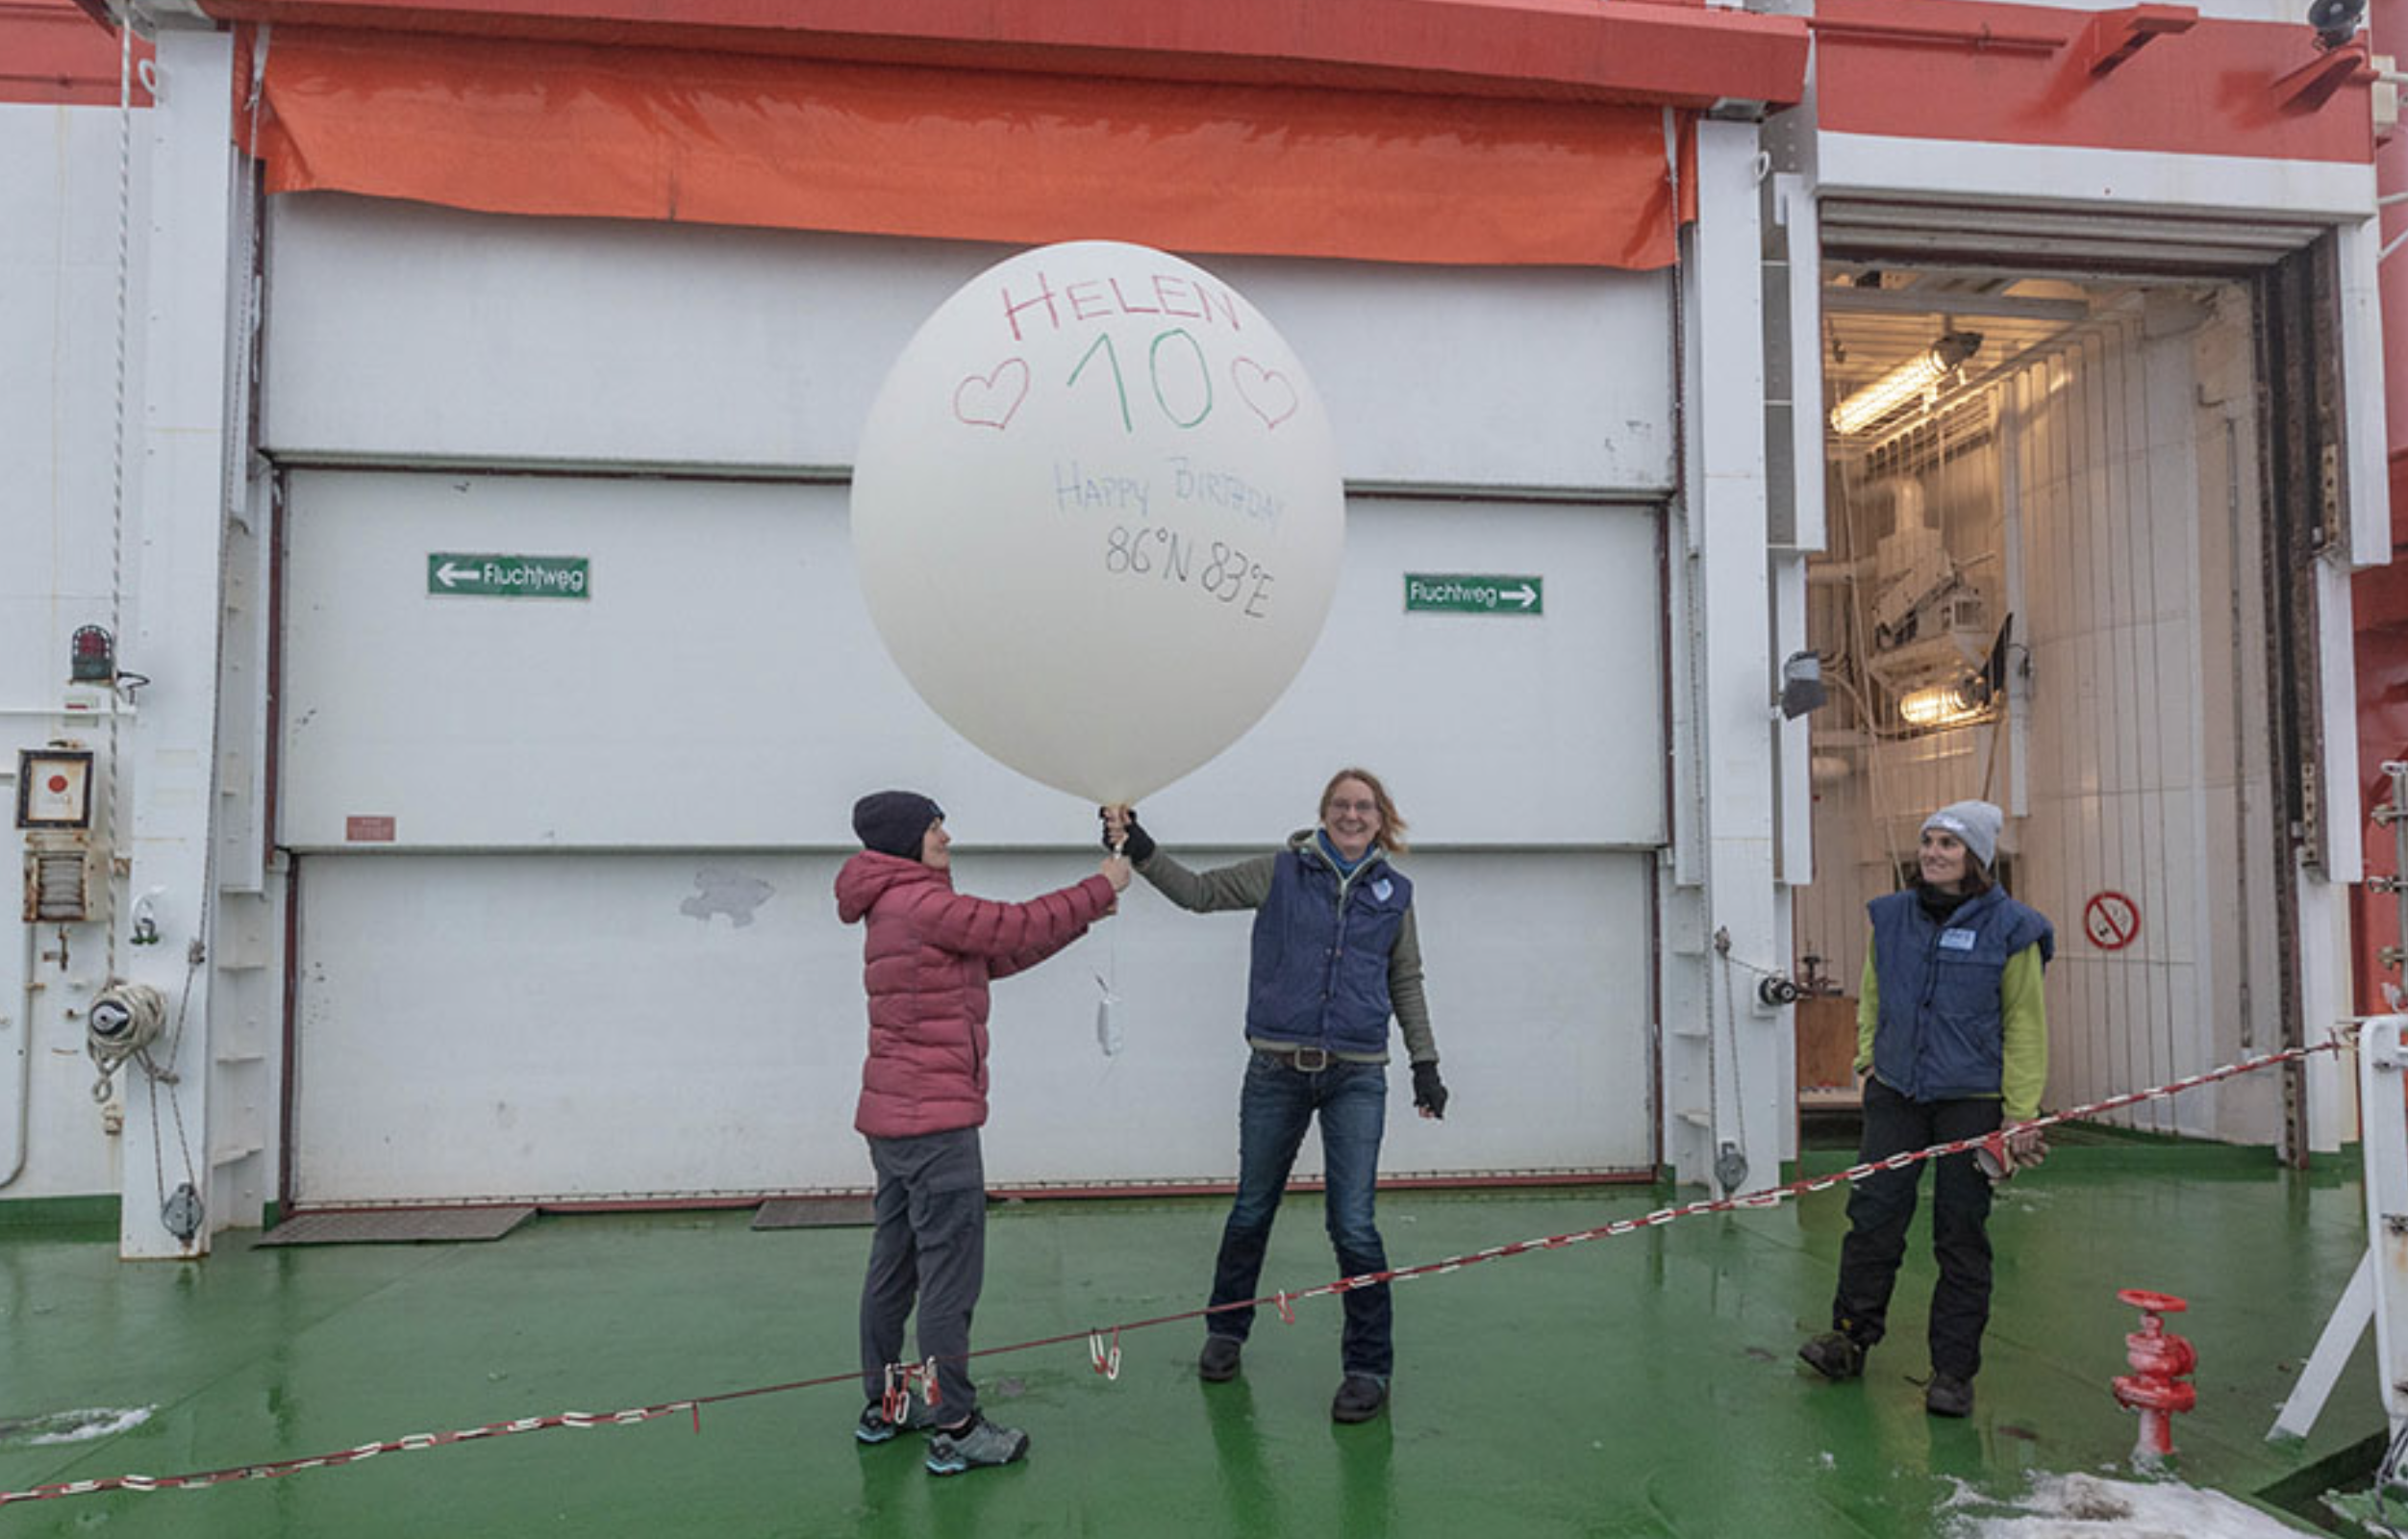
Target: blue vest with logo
1942, 1033
1320, 954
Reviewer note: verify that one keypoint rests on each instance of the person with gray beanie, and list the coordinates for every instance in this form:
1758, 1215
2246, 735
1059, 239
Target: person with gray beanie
1952, 1037
928, 953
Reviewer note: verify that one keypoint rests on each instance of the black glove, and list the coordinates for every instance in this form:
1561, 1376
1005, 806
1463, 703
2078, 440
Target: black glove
1138, 844
1428, 1095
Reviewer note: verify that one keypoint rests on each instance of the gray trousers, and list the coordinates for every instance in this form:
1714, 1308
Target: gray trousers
930, 1244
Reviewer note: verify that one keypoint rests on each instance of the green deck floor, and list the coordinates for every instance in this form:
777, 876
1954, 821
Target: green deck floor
1642, 1385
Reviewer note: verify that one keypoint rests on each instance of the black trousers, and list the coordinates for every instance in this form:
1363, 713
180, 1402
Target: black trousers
1883, 1203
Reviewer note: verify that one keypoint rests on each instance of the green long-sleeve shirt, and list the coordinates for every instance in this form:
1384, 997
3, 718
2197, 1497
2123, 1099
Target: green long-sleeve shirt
2023, 1016
1248, 885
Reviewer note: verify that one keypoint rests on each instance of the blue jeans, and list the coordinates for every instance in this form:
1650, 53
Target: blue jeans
1274, 1110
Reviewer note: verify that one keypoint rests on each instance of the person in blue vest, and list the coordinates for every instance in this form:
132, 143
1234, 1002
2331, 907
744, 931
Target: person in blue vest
1951, 1029
1336, 955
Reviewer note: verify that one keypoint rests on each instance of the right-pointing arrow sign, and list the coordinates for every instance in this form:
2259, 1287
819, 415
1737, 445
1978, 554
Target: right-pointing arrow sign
1474, 593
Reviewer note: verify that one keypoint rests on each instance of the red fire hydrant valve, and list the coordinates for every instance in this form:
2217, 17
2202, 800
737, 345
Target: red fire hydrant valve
2161, 1360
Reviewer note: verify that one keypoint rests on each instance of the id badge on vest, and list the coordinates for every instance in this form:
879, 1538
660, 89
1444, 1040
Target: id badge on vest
1958, 940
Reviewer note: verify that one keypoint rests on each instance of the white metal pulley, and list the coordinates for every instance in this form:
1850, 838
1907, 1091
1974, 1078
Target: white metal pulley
125, 1018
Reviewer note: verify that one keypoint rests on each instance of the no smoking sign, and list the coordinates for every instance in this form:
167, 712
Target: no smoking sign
2111, 920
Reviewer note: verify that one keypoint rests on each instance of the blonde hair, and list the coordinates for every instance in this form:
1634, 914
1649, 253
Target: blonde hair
1391, 821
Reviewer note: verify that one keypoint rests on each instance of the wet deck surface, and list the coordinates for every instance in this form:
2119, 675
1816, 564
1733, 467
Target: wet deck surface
1643, 1385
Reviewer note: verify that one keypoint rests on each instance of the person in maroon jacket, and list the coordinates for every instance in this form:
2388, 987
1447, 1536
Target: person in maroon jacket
928, 954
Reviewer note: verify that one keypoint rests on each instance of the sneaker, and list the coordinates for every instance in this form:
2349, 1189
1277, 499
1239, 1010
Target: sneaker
1220, 1363
1947, 1395
980, 1444
875, 1427
1834, 1355
1359, 1398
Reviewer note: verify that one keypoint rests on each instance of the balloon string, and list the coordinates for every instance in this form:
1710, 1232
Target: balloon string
1108, 981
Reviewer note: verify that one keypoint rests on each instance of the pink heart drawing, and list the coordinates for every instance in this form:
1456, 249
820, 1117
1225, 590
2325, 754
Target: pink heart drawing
989, 400
1266, 389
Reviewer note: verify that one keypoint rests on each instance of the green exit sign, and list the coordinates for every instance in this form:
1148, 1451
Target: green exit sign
486, 576
1467, 593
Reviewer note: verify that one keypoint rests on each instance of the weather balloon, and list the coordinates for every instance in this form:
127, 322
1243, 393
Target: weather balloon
1097, 516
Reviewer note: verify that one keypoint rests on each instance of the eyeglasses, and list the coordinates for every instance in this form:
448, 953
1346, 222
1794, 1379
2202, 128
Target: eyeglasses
1354, 806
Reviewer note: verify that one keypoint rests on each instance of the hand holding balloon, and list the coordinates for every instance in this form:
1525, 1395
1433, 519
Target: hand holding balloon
1122, 834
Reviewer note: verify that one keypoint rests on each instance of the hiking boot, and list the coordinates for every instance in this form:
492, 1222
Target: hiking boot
1835, 1355
1947, 1395
1359, 1398
979, 1444
875, 1427
1220, 1363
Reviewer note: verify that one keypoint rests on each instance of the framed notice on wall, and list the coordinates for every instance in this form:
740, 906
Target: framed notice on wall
54, 788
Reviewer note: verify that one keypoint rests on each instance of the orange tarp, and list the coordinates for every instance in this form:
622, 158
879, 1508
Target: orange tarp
53, 53
554, 128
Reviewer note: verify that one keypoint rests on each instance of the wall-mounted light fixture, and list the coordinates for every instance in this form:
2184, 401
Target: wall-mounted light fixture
1910, 381
1945, 705
2336, 21
1964, 699
91, 656
1802, 685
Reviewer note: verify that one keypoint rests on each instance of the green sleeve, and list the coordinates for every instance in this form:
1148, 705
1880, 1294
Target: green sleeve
2025, 1027
1405, 996
1867, 1011
1243, 885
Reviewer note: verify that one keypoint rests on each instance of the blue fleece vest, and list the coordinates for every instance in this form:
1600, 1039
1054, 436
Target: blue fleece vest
1320, 954
1941, 1033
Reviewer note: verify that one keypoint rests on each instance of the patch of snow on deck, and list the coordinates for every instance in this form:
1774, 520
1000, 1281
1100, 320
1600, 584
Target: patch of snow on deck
2083, 1506
75, 1427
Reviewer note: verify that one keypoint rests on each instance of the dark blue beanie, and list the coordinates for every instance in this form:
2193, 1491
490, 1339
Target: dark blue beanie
894, 822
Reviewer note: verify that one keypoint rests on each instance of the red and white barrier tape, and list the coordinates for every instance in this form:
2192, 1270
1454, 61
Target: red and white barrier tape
1769, 1196
1107, 1358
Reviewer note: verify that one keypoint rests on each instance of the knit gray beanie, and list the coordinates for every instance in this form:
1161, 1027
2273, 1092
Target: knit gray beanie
1976, 825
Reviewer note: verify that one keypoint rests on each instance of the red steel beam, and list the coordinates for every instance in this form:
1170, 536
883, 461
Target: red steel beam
1652, 51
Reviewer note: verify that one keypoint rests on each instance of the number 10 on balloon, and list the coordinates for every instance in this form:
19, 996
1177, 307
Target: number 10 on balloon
1154, 360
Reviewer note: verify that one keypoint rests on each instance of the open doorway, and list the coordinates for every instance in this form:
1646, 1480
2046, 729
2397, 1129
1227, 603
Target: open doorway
2045, 586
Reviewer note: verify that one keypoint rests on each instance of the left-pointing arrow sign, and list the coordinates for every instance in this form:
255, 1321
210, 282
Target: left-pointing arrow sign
493, 575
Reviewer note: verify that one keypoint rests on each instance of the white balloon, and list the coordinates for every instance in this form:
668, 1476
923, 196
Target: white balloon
1097, 516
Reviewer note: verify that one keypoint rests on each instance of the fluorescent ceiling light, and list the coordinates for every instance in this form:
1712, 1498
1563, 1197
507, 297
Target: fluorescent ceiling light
1910, 381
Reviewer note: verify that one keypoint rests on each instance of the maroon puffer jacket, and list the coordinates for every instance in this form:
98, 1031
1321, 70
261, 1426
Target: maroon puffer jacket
926, 959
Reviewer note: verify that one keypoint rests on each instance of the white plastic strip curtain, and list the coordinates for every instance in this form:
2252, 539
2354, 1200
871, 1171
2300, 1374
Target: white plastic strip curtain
2117, 604
1925, 481
2062, 486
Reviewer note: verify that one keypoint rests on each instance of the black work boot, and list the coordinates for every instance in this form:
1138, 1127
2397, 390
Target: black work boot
1835, 1355
1218, 1363
1947, 1395
1359, 1398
